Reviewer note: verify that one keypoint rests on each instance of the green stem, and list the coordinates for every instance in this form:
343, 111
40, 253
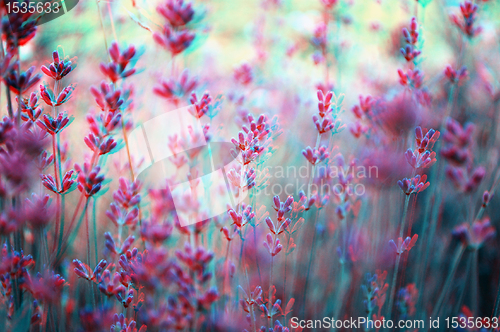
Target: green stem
398, 258
458, 255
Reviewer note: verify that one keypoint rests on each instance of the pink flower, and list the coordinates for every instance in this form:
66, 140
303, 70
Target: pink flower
316, 156
89, 180
176, 88
20, 83
243, 74
58, 68
272, 246
117, 68
405, 245
49, 98
476, 235
175, 41
176, 12
466, 23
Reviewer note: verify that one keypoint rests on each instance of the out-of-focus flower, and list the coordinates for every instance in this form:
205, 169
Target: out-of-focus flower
476, 235
466, 23
465, 181
174, 41
156, 232
19, 28
107, 97
273, 246
243, 74
177, 12
46, 287
410, 51
329, 3
200, 106
121, 324
19, 83
124, 209
411, 79
176, 88
407, 298
100, 145
458, 141
456, 76
89, 180
37, 211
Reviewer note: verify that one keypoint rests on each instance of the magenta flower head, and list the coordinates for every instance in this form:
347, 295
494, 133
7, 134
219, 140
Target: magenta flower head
54, 126
177, 12
465, 23
405, 245
411, 79
29, 107
49, 98
282, 207
58, 68
89, 180
427, 141
107, 97
19, 84
456, 76
174, 41
418, 160
323, 125
117, 68
272, 246
243, 218
411, 38
316, 156
121, 324
68, 183
200, 106
100, 145
476, 235
414, 185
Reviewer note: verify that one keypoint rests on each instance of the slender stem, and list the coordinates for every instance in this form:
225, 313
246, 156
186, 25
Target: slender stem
87, 228
497, 303
462, 290
475, 285
458, 254
270, 294
398, 258
311, 255
311, 177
